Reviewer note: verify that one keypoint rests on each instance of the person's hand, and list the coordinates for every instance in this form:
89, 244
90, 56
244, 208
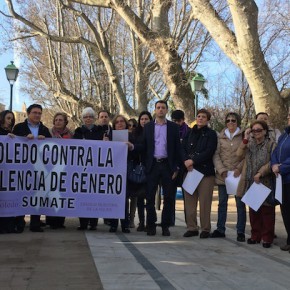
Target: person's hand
247, 134
237, 173
257, 177
276, 169
11, 135
40, 137
130, 146
30, 136
174, 175
224, 174
188, 164
105, 137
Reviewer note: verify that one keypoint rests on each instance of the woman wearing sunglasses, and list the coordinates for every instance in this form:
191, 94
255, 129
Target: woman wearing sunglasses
256, 148
225, 160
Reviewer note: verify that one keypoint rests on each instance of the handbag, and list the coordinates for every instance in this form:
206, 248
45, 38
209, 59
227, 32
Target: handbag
136, 172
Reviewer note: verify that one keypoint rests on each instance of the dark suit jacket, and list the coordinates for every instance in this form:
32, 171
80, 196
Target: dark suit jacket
22, 129
173, 145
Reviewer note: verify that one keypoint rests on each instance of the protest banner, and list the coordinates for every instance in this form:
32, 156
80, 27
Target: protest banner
62, 177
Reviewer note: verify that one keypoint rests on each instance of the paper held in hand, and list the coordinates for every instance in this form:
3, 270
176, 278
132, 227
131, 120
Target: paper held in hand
256, 195
232, 183
191, 181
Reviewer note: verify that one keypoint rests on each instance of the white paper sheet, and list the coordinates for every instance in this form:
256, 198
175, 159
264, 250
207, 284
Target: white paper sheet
192, 180
120, 135
256, 195
278, 191
232, 183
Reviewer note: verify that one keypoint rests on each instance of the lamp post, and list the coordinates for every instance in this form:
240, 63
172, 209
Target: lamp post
197, 84
11, 74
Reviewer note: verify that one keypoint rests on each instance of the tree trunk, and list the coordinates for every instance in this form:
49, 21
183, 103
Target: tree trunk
244, 49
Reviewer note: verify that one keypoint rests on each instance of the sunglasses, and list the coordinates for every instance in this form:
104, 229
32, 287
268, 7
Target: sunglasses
231, 121
257, 130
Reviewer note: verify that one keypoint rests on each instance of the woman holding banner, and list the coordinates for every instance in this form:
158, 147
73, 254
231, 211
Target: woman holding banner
121, 123
256, 148
225, 160
88, 131
198, 148
7, 121
59, 130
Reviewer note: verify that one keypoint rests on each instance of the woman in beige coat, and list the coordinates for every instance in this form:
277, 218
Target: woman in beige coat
226, 160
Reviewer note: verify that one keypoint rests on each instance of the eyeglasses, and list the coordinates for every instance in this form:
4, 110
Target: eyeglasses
257, 130
231, 121
86, 117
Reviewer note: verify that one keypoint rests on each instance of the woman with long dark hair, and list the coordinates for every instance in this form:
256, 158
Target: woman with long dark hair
7, 121
139, 190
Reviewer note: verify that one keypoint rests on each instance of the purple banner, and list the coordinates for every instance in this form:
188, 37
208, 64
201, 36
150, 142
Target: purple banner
62, 177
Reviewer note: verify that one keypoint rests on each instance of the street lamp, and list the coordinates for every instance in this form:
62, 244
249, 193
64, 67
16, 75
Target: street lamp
197, 84
11, 74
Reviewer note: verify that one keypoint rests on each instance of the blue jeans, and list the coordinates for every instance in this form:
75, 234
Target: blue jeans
223, 208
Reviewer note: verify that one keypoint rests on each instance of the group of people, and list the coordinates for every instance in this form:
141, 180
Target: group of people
170, 149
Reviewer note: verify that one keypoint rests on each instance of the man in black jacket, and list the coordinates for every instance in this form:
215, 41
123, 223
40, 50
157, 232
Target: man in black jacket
31, 128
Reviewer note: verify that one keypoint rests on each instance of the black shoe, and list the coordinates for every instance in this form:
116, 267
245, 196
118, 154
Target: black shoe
80, 228
241, 237
37, 230
285, 248
189, 234
42, 224
141, 227
252, 242
151, 231
126, 230
92, 228
54, 227
112, 229
217, 234
19, 230
266, 245
165, 232
204, 235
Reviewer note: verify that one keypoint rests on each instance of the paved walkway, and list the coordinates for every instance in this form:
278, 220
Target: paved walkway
69, 259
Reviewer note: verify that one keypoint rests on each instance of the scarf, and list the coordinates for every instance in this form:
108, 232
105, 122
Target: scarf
65, 133
257, 157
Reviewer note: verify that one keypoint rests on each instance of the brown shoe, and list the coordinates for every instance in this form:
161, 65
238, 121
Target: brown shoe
285, 248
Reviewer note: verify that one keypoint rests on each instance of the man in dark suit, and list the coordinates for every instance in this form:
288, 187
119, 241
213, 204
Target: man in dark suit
32, 128
162, 151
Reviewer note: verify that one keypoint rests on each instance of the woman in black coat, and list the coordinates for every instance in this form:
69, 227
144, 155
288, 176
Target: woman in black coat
7, 121
88, 131
134, 189
198, 148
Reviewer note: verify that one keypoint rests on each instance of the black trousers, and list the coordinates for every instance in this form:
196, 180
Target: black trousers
285, 209
160, 173
124, 222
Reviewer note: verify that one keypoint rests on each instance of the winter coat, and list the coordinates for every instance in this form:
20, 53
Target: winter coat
199, 145
265, 170
225, 157
281, 155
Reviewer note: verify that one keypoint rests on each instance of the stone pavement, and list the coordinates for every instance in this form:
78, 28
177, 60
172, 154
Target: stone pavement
69, 259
